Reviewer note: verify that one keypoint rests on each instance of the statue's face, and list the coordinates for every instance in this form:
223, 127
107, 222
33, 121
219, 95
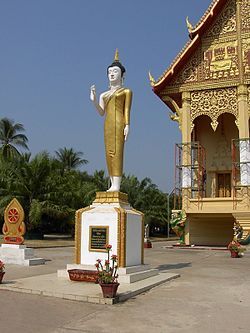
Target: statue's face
114, 74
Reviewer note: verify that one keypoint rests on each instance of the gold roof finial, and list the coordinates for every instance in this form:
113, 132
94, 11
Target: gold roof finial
189, 25
116, 55
151, 79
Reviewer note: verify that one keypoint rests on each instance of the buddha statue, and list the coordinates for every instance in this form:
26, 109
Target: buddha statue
115, 105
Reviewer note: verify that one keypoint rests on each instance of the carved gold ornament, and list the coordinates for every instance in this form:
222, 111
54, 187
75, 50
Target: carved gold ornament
213, 103
245, 15
151, 79
189, 74
177, 115
246, 56
14, 227
189, 25
221, 61
226, 21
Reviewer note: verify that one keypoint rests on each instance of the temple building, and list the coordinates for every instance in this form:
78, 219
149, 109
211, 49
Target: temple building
207, 88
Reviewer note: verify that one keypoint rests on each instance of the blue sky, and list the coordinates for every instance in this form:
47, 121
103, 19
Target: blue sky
52, 51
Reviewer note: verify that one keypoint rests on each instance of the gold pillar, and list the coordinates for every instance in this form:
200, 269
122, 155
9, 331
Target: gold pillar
243, 112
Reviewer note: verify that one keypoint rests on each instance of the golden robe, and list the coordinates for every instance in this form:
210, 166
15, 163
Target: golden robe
117, 110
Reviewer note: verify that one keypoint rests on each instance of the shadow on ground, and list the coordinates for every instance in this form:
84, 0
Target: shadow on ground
174, 266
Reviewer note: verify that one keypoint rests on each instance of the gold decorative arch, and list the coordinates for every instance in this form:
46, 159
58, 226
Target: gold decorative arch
213, 103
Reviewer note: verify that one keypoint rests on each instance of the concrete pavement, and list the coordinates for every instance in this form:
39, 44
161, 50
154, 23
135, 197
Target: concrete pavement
212, 295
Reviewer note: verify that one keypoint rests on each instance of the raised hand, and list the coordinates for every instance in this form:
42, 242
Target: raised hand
93, 93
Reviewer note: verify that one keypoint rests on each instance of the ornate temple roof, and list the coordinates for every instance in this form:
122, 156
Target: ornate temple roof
195, 33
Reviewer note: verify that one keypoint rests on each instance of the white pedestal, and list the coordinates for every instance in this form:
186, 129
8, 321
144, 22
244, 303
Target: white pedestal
19, 255
124, 230
124, 225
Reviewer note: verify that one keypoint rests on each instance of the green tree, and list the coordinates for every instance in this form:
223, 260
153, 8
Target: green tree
11, 138
30, 182
146, 197
70, 159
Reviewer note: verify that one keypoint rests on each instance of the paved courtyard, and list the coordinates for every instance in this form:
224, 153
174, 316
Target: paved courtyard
212, 295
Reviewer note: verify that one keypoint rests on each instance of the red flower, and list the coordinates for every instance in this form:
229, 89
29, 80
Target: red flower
108, 247
106, 262
97, 265
114, 257
99, 261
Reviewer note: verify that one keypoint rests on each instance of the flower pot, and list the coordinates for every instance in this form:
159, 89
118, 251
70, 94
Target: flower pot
109, 290
234, 254
83, 275
1, 276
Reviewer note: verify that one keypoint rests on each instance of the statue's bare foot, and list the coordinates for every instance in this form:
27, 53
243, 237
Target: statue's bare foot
111, 189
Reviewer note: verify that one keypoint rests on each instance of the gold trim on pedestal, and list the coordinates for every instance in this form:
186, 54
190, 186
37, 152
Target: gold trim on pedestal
121, 236
111, 197
78, 224
142, 233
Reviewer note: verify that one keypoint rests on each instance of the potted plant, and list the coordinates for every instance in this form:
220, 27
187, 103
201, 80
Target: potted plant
2, 272
107, 274
236, 249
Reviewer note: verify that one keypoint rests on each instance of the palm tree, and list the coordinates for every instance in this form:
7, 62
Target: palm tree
36, 185
69, 158
11, 138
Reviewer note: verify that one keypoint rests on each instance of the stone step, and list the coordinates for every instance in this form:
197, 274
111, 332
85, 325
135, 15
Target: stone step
137, 276
132, 269
34, 262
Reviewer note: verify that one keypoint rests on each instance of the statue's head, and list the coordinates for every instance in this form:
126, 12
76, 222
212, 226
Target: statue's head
116, 70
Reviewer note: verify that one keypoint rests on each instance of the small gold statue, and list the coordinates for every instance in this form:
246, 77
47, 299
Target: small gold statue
14, 227
115, 104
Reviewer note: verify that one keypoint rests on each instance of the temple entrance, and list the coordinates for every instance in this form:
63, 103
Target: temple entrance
217, 145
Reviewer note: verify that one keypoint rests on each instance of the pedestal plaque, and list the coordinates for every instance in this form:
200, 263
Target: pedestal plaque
99, 238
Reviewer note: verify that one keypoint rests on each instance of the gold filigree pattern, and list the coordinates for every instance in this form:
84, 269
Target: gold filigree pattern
246, 56
245, 15
213, 103
226, 21
190, 71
